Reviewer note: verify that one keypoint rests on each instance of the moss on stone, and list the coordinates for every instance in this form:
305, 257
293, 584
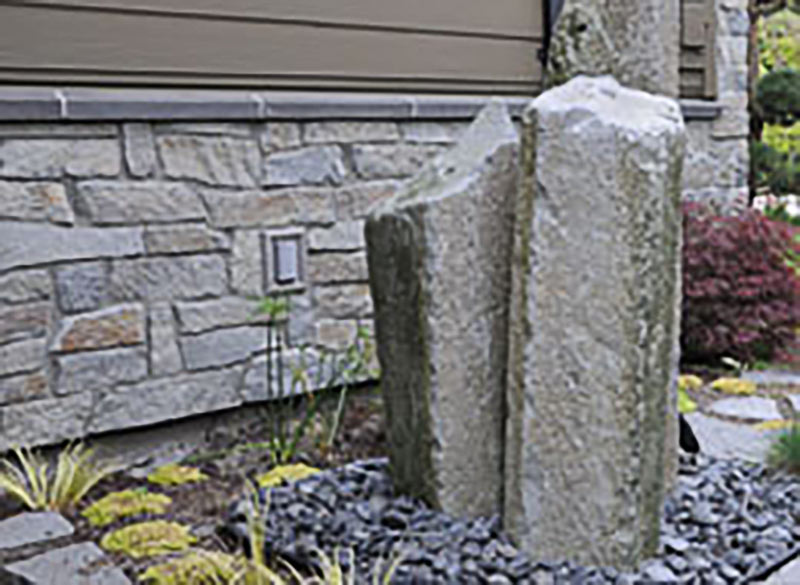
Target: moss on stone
124, 504
286, 473
199, 567
734, 386
148, 539
174, 474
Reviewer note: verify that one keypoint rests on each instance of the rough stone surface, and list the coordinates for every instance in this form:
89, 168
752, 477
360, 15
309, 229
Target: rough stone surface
247, 277
357, 201
24, 321
44, 422
39, 159
344, 236
32, 527
750, 408
594, 337
25, 285
35, 202
81, 287
773, 377
185, 238
165, 356
167, 278
383, 161
255, 379
636, 42
314, 165
213, 160
789, 575
442, 380
29, 244
22, 356
77, 564
200, 316
154, 401
129, 202
23, 388
328, 268
343, 301
348, 132
140, 149
222, 347
270, 208
99, 370
794, 400
726, 440
433, 132
112, 327
335, 334
280, 136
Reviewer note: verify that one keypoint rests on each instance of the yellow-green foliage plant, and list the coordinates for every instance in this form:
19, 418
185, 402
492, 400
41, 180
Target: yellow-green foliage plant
774, 425
734, 386
689, 382
148, 539
197, 567
38, 485
685, 404
125, 504
174, 474
285, 473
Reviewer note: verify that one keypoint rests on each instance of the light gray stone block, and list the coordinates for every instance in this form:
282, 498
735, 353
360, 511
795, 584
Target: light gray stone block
99, 370
313, 165
77, 564
81, 287
384, 161
727, 440
343, 236
753, 408
134, 202
179, 277
165, 356
155, 401
337, 268
246, 263
30, 244
213, 160
343, 300
356, 201
433, 132
32, 527
120, 325
24, 321
24, 388
335, 334
280, 136
238, 129
40, 159
22, 286
307, 361
185, 238
439, 273
349, 132
35, 201
773, 377
140, 149
222, 347
593, 325
199, 316
44, 422
272, 208
22, 356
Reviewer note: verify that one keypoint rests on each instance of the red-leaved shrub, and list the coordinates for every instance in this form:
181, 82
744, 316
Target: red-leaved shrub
740, 297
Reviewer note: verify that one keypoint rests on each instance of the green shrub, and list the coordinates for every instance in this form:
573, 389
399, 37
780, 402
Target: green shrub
778, 97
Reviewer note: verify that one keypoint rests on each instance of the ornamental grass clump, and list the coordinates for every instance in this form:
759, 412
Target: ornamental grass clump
785, 451
148, 539
38, 485
125, 504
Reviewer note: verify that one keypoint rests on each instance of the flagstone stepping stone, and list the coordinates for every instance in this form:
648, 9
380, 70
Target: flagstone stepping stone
32, 527
750, 408
773, 377
71, 565
794, 400
727, 440
789, 575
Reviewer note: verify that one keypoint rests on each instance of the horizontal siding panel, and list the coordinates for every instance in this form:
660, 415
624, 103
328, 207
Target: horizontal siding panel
515, 18
44, 45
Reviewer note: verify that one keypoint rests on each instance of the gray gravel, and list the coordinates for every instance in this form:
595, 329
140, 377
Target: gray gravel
725, 521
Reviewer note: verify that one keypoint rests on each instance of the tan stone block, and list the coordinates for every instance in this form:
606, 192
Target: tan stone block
120, 325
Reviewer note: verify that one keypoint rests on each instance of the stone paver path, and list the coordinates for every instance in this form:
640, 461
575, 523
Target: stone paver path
789, 575
727, 440
773, 377
753, 408
32, 527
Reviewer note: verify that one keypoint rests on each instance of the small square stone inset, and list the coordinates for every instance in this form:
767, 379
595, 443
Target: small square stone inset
284, 256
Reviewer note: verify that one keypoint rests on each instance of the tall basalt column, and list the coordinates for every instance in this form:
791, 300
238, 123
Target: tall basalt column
593, 328
439, 268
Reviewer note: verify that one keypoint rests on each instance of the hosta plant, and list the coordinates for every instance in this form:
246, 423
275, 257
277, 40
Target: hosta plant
39, 485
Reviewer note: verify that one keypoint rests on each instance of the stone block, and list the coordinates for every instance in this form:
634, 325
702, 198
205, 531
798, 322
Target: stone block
307, 361
31, 244
31, 528
24, 388
754, 408
239, 129
222, 347
213, 160
22, 286
134, 202
313, 165
331, 268
35, 201
384, 161
274, 208
155, 401
302, 317
356, 201
179, 239
178, 277
280, 136
44, 159
77, 564
343, 236
246, 263
22, 356
343, 301
433, 132
335, 334
199, 316
44, 422
115, 326
165, 356
350, 132
24, 321
592, 427
99, 370
81, 287
140, 149
439, 274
